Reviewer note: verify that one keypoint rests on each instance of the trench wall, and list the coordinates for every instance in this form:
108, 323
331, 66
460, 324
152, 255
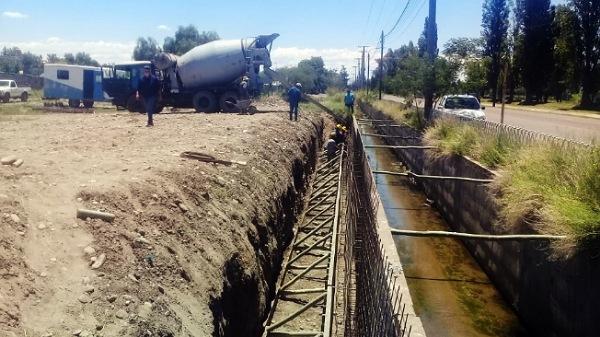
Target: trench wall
552, 297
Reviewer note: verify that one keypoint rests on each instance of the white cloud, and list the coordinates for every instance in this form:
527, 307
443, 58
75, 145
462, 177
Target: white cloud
121, 51
102, 51
163, 27
333, 58
15, 15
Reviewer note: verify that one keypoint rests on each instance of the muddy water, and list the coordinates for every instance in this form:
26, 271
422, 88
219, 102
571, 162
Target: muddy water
451, 293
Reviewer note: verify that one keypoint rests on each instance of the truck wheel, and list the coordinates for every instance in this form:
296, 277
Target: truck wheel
205, 101
24, 97
6, 98
228, 100
135, 105
74, 103
88, 104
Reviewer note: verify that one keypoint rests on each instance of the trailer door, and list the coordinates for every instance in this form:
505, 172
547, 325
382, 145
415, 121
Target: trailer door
88, 84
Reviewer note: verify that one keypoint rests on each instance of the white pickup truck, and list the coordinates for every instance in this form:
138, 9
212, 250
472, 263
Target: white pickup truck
9, 89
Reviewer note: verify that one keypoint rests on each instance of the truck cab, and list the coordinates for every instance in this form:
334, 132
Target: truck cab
120, 83
9, 89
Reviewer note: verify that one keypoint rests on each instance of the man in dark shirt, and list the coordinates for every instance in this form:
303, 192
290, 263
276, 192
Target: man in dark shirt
294, 96
148, 88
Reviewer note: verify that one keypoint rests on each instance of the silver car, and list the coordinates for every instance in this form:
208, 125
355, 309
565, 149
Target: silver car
460, 105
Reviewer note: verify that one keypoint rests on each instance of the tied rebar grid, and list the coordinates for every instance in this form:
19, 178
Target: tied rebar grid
372, 300
305, 296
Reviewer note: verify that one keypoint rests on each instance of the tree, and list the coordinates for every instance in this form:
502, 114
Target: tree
69, 58
53, 58
464, 48
588, 13
343, 76
187, 38
475, 81
495, 29
84, 59
567, 52
32, 64
536, 27
11, 60
145, 49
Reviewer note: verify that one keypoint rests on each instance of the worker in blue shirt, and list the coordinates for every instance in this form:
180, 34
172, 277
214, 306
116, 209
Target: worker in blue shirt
148, 88
349, 101
294, 95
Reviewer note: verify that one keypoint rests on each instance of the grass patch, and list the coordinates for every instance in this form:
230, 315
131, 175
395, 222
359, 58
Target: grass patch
541, 186
554, 190
455, 138
334, 100
400, 113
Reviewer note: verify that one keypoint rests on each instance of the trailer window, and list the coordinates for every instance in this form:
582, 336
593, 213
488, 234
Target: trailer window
107, 72
122, 74
62, 74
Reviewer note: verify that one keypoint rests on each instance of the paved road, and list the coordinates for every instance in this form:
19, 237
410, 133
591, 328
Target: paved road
568, 126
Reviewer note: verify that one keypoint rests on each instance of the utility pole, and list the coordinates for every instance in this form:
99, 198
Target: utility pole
362, 68
381, 67
505, 75
431, 53
368, 72
355, 74
357, 84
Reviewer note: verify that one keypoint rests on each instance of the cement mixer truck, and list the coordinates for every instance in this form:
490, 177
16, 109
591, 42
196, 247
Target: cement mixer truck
207, 77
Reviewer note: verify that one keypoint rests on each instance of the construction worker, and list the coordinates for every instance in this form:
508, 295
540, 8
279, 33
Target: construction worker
243, 89
294, 96
349, 101
340, 133
148, 88
331, 146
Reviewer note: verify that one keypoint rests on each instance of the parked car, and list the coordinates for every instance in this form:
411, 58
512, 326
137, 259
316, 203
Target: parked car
9, 89
460, 105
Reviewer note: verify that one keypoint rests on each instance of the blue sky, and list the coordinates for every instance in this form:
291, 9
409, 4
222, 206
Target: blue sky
108, 29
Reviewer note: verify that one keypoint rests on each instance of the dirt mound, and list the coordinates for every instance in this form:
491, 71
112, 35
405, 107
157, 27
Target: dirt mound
195, 247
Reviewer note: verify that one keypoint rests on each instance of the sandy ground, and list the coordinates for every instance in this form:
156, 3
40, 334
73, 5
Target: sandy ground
180, 224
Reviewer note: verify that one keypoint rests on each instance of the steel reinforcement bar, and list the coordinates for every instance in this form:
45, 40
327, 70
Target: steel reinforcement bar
305, 296
373, 302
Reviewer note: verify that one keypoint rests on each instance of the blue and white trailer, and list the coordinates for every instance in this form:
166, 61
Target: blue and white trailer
74, 82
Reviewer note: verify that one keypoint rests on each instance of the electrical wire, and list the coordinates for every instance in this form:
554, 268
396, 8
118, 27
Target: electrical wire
399, 18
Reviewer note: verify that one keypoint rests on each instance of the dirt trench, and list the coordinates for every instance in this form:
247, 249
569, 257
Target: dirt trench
195, 249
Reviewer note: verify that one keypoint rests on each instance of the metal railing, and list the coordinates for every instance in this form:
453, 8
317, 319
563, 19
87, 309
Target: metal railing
374, 306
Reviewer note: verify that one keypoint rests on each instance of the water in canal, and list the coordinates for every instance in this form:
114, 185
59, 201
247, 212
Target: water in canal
451, 293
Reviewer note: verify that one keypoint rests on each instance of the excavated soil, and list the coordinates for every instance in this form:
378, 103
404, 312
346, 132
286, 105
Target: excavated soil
195, 247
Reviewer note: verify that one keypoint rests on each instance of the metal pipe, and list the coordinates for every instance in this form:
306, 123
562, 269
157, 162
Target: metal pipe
490, 237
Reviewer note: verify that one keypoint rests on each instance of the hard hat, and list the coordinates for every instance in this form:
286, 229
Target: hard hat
299, 85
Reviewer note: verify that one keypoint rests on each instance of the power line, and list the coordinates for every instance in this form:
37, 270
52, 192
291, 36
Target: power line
413, 19
368, 18
399, 18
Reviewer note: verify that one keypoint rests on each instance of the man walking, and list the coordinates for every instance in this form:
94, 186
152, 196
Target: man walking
294, 95
148, 88
349, 101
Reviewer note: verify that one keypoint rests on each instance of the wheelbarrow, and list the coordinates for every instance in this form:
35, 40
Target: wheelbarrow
243, 107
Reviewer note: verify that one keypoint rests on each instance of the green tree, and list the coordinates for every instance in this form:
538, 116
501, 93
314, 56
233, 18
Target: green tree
84, 59
495, 29
588, 12
145, 49
11, 60
536, 27
32, 64
464, 48
53, 58
475, 73
186, 38
567, 52
344, 77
